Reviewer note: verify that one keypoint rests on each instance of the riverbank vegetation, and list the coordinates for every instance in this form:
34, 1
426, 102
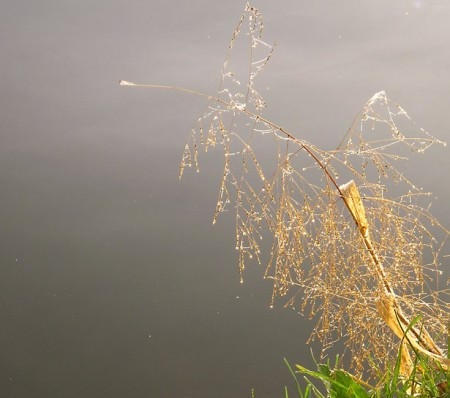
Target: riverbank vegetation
344, 234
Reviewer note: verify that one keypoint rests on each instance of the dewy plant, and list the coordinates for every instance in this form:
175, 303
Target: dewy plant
364, 255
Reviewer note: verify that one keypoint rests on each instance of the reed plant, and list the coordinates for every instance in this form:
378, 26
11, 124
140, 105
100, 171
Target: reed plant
352, 242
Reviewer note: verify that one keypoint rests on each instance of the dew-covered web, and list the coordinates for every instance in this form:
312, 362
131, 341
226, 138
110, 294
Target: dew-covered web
315, 254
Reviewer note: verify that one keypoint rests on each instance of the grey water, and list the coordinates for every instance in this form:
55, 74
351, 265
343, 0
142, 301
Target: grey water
113, 281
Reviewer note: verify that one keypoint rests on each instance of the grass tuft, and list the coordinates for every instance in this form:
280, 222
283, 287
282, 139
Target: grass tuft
362, 257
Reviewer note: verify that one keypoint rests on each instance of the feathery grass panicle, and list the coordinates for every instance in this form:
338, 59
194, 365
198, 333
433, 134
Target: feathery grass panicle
322, 258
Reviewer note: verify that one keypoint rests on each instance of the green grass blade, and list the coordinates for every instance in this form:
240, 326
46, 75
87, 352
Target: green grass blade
295, 377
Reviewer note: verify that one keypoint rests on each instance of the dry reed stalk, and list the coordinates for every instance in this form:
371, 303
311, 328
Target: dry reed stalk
387, 305
346, 278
